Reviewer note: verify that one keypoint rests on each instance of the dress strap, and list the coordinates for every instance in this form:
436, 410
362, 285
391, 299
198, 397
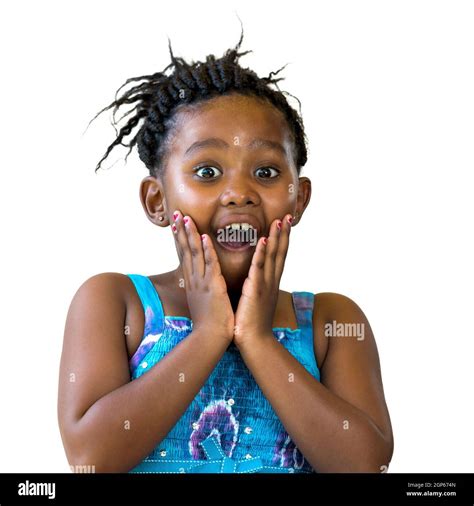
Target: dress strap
303, 303
154, 316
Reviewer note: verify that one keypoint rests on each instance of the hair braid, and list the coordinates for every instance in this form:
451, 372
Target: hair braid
158, 99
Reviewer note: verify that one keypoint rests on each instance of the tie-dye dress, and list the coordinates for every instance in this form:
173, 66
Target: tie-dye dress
229, 427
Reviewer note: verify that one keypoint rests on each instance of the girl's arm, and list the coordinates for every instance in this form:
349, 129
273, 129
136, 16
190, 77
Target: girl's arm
340, 424
106, 420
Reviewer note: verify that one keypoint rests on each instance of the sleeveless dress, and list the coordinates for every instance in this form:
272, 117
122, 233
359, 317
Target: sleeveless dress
229, 427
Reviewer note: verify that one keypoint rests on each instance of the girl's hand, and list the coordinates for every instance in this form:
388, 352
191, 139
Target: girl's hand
206, 289
256, 309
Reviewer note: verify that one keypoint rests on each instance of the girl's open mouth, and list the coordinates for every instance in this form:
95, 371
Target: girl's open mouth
237, 236
235, 246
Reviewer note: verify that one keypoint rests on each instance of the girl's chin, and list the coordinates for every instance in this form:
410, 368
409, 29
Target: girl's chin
235, 267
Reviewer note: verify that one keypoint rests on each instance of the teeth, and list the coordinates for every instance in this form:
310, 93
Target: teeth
240, 226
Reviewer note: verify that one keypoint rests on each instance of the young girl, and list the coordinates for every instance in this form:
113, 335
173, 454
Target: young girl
211, 368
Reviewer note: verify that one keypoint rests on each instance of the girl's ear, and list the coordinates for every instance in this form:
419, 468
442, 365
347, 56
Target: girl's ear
153, 201
304, 196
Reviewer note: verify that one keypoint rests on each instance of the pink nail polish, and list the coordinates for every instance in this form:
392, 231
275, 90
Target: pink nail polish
173, 227
264, 240
279, 225
290, 219
175, 216
185, 220
203, 237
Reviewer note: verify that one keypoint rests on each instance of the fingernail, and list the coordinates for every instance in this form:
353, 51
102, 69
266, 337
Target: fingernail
185, 220
264, 240
279, 225
290, 219
203, 237
175, 216
173, 227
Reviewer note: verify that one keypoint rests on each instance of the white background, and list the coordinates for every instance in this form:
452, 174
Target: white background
388, 103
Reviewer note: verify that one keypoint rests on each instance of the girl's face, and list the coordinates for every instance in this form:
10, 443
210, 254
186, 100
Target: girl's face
230, 160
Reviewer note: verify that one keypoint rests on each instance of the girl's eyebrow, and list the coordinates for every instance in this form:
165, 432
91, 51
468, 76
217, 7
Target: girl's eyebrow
220, 143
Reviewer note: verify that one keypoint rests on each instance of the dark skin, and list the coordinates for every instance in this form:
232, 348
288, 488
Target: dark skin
343, 423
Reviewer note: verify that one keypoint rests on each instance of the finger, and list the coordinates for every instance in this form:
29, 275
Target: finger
256, 270
174, 229
271, 251
195, 246
181, 241
283, 246
212, 267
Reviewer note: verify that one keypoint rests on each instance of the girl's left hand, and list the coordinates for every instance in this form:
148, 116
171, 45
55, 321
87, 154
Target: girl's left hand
256, 309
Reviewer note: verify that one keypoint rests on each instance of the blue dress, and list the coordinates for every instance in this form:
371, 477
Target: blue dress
229, 427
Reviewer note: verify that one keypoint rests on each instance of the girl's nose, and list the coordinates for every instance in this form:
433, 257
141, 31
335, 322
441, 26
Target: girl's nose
239, 194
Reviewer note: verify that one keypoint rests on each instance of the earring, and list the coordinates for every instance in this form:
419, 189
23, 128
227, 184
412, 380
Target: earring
160, 218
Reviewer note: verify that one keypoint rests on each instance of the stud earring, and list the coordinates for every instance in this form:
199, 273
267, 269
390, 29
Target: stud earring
160, 218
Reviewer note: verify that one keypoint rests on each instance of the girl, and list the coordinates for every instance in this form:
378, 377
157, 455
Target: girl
211, 368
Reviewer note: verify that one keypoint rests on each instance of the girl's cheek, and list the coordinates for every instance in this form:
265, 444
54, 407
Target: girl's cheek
292, 192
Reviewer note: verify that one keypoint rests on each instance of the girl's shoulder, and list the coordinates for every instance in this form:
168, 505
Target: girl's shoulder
115, 289
333, 315
333, 304
110, 283
351, 367
120, 287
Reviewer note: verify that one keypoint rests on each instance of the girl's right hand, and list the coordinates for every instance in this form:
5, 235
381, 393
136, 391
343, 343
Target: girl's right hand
206, 289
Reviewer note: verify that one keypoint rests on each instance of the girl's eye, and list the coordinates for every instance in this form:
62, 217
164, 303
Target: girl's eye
207, 172
265, 172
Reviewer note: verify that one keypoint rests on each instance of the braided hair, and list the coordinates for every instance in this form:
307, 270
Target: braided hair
185, 86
